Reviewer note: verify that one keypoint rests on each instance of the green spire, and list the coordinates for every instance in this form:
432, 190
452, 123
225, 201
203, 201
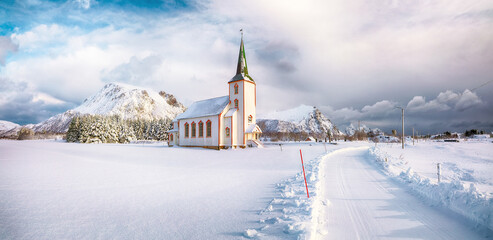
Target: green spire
242, 64
241, 69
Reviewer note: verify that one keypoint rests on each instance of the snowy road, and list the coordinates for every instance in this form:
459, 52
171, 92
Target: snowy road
356, 201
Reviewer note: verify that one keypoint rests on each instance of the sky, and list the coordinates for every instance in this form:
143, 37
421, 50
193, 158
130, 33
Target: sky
354, 60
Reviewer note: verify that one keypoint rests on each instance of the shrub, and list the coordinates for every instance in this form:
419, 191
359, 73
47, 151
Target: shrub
25, 134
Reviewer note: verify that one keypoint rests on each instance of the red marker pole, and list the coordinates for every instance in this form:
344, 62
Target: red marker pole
302, 165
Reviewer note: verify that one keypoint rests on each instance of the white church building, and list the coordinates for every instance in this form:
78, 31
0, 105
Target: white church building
221, 122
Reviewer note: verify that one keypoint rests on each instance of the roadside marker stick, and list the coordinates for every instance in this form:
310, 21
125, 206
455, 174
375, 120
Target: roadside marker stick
302, 165
438, 172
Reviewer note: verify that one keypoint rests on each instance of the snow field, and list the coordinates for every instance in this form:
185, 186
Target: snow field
466, 168
53, 190
59, 190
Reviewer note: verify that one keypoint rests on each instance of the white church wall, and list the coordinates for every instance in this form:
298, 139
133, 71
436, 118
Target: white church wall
227, 124
234, 129
221, 130
199, 141
238, 134
250, 100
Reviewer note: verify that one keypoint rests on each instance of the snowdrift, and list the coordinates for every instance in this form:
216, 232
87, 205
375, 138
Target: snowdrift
460, 198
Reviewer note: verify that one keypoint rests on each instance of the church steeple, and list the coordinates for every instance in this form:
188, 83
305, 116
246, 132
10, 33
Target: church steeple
242, 69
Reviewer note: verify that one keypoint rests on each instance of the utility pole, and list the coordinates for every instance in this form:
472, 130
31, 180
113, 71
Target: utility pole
402, 128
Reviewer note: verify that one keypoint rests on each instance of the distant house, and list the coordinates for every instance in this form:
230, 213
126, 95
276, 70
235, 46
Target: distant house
221, 122
310, 139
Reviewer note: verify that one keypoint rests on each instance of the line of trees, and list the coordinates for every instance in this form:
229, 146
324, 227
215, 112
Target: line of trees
298, 136
114, 129
472, 132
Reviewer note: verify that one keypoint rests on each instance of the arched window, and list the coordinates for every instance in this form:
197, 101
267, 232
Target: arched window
194, 129
186, 130
236, 103
201, 129
236, 88
209, 128
171, 137
250, 119
227, 132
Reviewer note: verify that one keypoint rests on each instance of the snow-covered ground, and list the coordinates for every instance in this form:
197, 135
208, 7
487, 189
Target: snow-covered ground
356, 201
467, 161
53, 190
466, 174
58, 190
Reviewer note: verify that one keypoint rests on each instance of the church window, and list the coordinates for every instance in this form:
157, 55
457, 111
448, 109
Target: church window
201, 129
227, 132
209, 128
250, 119
186, 130
194, 129
171, 137
236, 103
236, 88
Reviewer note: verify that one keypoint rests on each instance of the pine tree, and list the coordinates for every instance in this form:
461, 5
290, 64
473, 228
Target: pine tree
73, 130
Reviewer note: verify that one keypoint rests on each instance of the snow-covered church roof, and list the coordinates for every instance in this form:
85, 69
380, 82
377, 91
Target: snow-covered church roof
253, 128
208, 107
230, 112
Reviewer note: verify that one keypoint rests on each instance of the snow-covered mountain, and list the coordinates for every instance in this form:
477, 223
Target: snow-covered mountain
8, 128
351, 129
300, 119
127, 101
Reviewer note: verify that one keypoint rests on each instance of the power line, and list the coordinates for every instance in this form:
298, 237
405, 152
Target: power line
482, 85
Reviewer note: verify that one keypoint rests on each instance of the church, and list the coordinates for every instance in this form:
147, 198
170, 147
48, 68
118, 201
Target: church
221, 122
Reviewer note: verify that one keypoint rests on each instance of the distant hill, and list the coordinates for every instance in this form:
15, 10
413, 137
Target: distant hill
129, 102
8, 128
302, 119
351, 130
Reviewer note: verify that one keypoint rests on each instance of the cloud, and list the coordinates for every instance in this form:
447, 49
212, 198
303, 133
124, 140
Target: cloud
6, 46
19, 103
43, 37
136, 71
445, 101
281, 56
379, 108
467, 100
85, 4
346, 115
447, 96
419, 104
296, 53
